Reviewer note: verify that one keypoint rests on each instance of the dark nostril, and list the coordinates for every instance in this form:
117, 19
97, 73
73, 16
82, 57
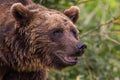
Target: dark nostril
81, 45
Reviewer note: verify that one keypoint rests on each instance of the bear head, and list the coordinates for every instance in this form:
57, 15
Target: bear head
45, 38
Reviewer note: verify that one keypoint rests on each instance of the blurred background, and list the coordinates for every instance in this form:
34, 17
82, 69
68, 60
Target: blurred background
99, 26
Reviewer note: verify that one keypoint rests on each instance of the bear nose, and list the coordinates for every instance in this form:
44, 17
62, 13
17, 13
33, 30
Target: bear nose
81, 45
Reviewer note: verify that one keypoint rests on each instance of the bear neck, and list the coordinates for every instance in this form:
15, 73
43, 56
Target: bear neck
9, 74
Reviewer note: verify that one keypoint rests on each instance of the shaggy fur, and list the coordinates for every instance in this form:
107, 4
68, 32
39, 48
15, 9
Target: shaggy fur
34, 38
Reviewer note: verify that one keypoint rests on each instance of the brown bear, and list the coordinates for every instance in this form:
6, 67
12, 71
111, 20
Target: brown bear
34, 39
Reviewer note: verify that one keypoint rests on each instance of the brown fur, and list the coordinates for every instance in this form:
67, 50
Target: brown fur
34, 38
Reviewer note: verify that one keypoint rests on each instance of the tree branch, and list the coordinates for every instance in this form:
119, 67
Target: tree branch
115, 20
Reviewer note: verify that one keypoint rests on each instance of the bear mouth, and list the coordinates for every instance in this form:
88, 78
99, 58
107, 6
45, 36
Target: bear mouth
68, 59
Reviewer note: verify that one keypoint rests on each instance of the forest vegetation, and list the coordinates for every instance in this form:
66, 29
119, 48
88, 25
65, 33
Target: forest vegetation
99, 26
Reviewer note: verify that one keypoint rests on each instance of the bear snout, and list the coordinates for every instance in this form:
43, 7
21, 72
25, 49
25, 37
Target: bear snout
81, 45
80, 48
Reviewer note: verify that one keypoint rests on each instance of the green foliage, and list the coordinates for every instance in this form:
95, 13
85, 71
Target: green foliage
99, 27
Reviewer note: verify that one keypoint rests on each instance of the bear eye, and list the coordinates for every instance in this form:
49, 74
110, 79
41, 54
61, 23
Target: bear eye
56, 34
57, 31
74, 32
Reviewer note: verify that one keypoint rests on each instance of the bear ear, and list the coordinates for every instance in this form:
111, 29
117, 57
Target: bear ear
72, 13
20, 12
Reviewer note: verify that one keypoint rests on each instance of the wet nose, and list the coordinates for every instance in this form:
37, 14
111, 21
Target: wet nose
81, 45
